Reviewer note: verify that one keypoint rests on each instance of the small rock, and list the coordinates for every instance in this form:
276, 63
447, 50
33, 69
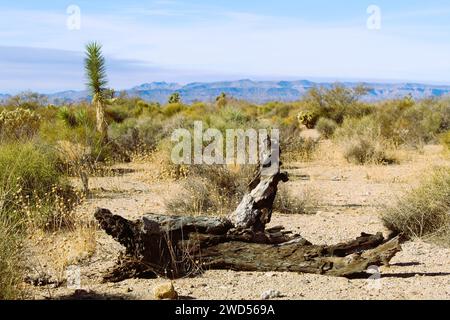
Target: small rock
271, 294
129, 290
165, 291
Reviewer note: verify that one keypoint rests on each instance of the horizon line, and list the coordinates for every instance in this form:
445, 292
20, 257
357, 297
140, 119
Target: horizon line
315, 80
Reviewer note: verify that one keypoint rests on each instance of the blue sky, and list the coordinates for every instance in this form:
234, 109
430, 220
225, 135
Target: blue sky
198, 40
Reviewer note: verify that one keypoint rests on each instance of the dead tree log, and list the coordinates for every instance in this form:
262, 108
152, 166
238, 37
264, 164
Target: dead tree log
255, 209
173, 246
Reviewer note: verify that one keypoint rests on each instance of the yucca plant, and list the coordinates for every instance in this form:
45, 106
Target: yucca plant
95, 67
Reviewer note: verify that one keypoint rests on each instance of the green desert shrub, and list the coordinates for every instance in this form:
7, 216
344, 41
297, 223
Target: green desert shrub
84, 136
424, 211
406, 122
116, 113
362, 141
32, 187
172, 109
336, 103
133, 135
326, 127
68, 116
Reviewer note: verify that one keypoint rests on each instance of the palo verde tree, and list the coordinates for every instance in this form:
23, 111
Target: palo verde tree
96, 75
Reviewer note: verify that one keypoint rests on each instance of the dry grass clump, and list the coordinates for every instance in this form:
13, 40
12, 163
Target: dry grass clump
11, 268
326, 127
220, 189
364, 150
445, 140
295, 147
34, 197
425, 211
212, 190
363, 143
32, 187
18, 124
304, 203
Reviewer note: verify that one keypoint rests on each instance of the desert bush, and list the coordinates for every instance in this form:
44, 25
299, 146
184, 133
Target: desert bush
326, 127
212, 190
406, 122
334, 103
424, 211
172, 109
137, 135
445, 139
11, 268
294, 147
32, 187
18, 124
364, 150
285, 202
116, 113
146, 109
68, 117
84, 136
362, 141
28, 100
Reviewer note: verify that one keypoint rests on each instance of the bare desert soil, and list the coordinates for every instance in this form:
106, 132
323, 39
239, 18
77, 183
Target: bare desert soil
350, 200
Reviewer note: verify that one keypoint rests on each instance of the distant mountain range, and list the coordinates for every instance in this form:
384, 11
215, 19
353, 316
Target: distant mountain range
256, 91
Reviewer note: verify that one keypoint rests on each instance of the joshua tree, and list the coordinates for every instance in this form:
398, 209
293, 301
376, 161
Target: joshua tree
96, 74
222, 100
175, 98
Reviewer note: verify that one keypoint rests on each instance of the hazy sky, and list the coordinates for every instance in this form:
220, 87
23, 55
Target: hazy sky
198, 40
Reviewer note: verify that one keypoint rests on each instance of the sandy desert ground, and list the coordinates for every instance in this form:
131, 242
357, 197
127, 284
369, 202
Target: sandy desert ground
350, 200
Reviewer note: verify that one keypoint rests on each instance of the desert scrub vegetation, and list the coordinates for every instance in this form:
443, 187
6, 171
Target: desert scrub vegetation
32, 187
220, 189
363, 143
18, 124
11, 267
333, 103
326, 127
295, 147
212, 190
305, 202
445, 140
424, 211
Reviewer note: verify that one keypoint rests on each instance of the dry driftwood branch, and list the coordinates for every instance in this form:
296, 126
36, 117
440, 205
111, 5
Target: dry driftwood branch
255, 209
174, 246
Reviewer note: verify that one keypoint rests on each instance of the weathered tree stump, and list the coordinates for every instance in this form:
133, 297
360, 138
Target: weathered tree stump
174, 246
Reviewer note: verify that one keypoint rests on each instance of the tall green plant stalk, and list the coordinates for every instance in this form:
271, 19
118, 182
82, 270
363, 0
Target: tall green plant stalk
95, 67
